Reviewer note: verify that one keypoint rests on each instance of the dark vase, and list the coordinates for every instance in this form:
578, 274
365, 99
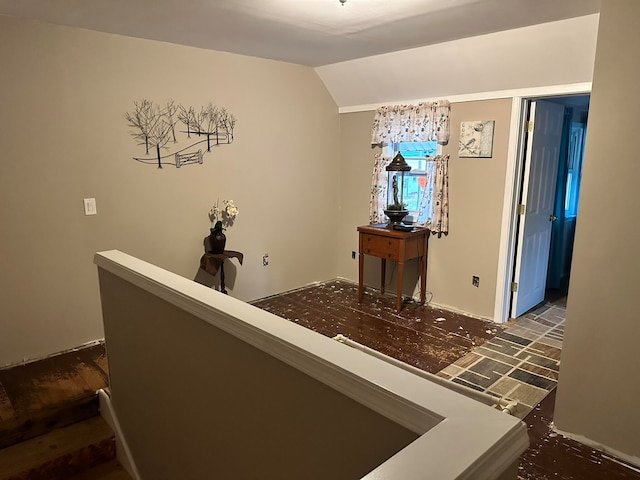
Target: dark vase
217, 240
395, 216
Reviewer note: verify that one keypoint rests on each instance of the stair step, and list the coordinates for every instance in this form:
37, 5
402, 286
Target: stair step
107, 471
39, 396
60, 453
41, 422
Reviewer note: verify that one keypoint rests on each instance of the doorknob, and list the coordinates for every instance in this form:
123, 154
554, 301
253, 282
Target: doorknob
552, 218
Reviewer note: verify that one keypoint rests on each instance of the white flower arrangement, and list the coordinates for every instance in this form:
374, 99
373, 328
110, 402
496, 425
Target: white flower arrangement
224, 217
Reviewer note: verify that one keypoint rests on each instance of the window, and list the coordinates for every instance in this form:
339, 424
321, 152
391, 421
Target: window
574, 169
415, 181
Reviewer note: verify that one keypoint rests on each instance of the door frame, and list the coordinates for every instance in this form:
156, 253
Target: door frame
513, 189
538, 194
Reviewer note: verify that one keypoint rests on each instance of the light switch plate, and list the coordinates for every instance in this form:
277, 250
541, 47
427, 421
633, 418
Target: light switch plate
90, 206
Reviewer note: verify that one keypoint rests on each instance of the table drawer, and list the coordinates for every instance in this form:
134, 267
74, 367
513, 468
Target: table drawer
382, 247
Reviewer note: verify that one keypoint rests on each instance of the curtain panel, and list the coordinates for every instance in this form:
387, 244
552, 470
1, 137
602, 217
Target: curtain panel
433, 212
424, 122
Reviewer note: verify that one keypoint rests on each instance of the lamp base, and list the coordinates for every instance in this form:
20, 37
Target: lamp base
395, 216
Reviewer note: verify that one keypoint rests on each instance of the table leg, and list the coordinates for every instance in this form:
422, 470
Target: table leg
423, 278
383, 272
222, 288
360, 277
400, 277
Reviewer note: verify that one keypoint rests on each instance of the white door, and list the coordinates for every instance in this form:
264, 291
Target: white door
538, 190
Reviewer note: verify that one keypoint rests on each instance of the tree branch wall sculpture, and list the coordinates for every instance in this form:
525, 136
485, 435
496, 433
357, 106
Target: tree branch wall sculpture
153, 127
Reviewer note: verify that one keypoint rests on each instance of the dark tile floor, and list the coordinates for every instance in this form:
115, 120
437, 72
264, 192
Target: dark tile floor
520, 363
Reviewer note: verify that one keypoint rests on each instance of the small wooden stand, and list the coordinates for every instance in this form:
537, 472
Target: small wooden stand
387, 244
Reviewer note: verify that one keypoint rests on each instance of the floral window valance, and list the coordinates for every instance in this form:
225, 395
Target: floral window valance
424, 122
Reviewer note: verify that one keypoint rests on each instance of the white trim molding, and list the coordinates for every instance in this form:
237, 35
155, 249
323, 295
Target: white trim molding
123, 453
551, 90
621, 458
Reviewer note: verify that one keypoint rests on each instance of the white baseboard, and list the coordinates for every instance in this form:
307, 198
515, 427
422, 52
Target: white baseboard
123, 453
629, 461
460, 312
26, 360
416, 298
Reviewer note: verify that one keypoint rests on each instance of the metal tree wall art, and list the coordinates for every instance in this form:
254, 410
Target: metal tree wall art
154, 126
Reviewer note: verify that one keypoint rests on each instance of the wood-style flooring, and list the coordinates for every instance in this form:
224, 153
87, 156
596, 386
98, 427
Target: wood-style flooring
424, 337
432, 339
427, 338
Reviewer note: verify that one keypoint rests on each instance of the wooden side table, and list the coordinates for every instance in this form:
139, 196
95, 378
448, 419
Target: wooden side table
387, 244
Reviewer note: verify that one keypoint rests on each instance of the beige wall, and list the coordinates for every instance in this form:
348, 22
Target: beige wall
63, 137
476, 188
599, 388
356, 164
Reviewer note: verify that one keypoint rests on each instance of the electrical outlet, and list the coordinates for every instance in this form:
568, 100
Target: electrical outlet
265, 260
475, 281
353, 254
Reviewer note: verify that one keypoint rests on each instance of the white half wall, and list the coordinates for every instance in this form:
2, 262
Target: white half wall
251, 385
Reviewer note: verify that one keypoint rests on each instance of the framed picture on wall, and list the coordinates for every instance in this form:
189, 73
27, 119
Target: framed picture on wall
476, 139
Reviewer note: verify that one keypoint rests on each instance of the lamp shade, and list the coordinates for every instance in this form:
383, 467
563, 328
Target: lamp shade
398, 164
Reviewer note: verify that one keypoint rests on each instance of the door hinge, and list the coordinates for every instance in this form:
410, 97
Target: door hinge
521, 209
529, 126
514, 286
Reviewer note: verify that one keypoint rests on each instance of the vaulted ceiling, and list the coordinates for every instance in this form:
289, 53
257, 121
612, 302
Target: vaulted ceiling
307, 32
